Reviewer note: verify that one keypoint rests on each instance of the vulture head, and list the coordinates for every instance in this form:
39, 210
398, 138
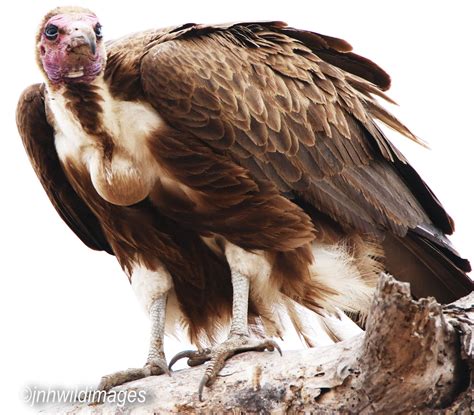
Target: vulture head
69, 46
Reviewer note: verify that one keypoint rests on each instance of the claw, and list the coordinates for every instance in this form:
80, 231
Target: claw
195, 357
179, 356
275, 346
202, 384
223, 352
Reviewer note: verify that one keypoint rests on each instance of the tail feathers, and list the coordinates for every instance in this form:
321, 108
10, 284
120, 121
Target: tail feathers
343, 277
299, 323
339, 327
433, 236
427, 267
316, 329
350, 271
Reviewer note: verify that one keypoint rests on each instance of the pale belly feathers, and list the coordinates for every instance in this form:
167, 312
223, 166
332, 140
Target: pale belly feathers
131, 173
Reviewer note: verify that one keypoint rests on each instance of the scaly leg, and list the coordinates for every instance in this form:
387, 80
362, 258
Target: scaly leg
238, 340
156, 362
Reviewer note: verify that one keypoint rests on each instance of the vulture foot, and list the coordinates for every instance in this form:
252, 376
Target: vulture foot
154, 367
236, 343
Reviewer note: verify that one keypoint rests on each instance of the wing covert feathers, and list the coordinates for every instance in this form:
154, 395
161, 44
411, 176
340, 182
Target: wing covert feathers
262, 94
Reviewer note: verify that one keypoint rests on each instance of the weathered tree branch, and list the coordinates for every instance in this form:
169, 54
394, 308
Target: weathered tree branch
414, 356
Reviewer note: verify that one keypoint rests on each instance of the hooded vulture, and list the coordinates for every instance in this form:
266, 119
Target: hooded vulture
237, 173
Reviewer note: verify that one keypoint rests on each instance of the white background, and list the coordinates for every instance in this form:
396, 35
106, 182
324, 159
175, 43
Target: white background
68, 315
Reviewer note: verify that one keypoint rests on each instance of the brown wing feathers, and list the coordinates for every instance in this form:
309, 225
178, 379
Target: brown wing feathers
38, 139
338, 53
296, 109
253, 213
295, 116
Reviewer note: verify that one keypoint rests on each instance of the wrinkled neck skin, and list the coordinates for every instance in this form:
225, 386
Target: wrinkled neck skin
56, 75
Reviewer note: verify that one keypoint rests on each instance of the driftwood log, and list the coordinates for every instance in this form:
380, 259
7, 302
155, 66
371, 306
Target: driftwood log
415, 357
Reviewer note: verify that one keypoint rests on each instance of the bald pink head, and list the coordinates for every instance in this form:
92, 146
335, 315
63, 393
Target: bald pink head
70, 47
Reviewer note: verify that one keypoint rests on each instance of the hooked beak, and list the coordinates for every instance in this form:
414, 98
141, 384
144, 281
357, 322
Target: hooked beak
83, 36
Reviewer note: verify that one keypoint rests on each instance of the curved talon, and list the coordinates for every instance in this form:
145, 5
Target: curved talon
222, 354
203, 383
195, 357
179, 356
275, 346
218, 356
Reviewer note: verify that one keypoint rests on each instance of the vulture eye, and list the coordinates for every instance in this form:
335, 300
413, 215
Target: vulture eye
51, 32
98, 31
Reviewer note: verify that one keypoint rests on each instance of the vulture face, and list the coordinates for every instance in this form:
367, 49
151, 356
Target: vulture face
70, 47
